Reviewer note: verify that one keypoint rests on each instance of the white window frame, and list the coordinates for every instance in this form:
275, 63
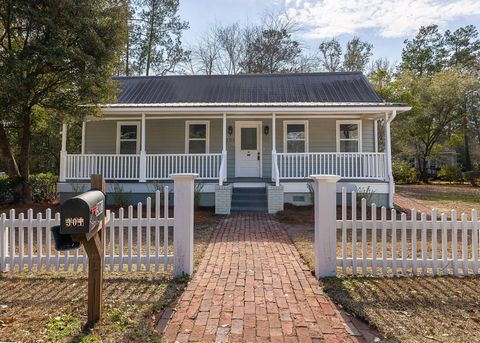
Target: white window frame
129, 123
187, 134
359, 139
294, 122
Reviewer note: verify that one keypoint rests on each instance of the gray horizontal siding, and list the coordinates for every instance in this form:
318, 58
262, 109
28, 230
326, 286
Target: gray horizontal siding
168, 137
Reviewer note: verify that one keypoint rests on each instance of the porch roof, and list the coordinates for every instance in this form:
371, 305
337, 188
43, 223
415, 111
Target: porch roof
253, 90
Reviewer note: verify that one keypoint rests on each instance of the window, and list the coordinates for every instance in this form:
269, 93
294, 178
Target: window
127, 137
249, 138
197, 137
349, 136
295, 135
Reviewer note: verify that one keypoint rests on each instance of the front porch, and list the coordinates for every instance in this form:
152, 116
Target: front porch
233, 148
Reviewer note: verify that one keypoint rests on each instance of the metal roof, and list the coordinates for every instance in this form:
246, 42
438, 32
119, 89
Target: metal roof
328, 89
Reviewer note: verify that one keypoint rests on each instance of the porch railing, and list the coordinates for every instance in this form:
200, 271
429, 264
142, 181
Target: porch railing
111, 166
207, 166
347, 165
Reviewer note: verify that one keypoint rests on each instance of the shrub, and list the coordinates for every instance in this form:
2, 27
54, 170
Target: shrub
450, 173
367, 194
6, 194
43, 186
403, 172
473, 177
197, 189
311, 191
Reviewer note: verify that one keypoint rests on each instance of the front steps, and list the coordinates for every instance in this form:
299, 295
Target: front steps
249, 199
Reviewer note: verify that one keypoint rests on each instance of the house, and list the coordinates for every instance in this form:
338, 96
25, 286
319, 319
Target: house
253, 140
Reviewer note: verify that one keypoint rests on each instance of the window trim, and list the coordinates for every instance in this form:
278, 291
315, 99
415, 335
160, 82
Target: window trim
125, 123
359, 139
187, 134
294, 122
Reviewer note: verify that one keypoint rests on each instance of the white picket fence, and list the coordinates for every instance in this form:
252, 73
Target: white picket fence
388, 245
132, 241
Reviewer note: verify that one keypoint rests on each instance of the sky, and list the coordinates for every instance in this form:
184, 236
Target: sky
384, 23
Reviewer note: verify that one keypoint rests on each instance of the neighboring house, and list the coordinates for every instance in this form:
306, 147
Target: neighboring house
445, 158
250, 138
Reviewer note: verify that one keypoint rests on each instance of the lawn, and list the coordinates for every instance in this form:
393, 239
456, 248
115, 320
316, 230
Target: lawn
52, 306
411, 309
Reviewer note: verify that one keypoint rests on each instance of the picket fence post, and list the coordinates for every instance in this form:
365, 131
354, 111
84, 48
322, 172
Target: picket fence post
325, 224
183, 185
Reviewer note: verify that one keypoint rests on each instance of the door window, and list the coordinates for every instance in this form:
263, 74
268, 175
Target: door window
249, 138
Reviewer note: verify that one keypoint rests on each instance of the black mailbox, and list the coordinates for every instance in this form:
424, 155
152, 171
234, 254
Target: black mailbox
82, 213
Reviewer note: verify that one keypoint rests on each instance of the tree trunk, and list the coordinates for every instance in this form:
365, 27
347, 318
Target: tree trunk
24, 167
423, 170
12, 167
468, 159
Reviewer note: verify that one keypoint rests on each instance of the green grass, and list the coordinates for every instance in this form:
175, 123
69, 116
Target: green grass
59, 328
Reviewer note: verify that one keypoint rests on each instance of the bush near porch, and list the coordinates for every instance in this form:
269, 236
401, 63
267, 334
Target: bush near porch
414, 309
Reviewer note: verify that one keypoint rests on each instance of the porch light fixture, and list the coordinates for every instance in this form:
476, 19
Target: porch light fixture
230, 130
266, 130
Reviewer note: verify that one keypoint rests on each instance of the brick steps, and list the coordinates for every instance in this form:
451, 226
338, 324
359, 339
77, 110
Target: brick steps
249, 200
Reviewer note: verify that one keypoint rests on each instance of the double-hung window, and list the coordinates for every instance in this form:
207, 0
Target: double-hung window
349, 136
295, 135
128, 134
197, 137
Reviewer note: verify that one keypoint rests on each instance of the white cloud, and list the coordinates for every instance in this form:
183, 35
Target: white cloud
389, 18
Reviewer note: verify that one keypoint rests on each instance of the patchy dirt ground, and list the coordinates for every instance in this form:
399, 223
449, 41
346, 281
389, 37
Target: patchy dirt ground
412, 309
444, 198
51, 307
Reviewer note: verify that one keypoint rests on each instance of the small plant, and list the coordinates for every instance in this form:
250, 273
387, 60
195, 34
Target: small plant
6, 194
403, 172
119, 196
43, 186
450, 174
473, 177
197, 190
60, 328
311, 191
367, 194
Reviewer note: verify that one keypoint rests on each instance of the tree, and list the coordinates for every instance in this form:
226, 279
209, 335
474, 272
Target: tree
231, 40
158, 46
207, 54
436, 112
270, 48
55, 56
426, 53
463, 46
331, 55
357, 55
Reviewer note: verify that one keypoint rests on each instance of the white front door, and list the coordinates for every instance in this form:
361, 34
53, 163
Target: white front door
248, 149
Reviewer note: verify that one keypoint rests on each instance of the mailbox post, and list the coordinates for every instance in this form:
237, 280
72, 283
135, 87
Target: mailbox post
83, 218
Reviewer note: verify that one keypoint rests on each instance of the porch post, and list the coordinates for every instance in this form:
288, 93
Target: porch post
83, 137
388, 157
63, 154
143, 154
275, 176
223, 164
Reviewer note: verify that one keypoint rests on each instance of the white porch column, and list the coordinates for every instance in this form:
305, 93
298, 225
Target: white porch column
83, 136
183, 186
143, 154
388, 157
223, 163
63, 154
375, 132
275, 176
325, 242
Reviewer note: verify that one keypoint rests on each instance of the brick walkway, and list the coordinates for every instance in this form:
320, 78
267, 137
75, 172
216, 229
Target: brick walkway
253, 286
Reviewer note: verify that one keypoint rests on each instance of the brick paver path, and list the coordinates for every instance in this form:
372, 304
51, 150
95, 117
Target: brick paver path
253, 286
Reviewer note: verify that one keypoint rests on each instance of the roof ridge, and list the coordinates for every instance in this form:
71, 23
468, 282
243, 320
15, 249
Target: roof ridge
241, 75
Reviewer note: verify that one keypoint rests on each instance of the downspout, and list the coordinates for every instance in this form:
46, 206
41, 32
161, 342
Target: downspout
388, 156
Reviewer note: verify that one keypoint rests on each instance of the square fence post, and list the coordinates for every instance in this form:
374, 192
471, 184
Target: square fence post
183, 187
325, 243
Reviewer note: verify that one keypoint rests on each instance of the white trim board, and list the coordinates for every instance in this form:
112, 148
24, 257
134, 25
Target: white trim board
301, 187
